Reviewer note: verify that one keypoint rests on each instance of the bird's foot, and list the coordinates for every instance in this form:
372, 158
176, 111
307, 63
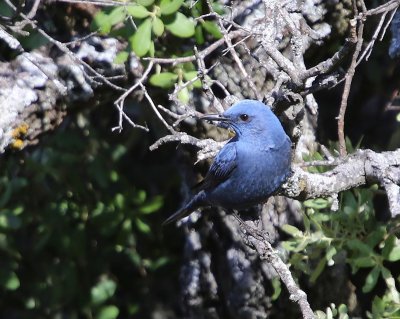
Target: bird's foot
245, 228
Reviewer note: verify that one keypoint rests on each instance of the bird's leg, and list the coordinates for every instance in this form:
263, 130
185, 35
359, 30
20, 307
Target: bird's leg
256, 233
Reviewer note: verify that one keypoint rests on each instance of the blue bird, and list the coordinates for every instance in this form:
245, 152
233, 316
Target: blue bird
250, 167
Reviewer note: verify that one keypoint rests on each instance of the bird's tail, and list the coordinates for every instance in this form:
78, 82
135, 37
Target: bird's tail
197, 201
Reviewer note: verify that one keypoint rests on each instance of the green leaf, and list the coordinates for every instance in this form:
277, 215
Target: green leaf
117, 15
164, 80
170, 6
320, 314
306, 222
342, 309
276, 285
158, 263
188, 76
152, 49
371, 279
133, 309
375, 237
364, 262
301, 245
119, 201
390, 245
318, 270
329, 314
291, 230
145, 3
104, 290
184, 96
158, 27
330, 253
153, 206
12, 282
218, 7
199, 35
391, 284
318, 203
180, 26
8, 219
102, 22
212, 28
108, 312
350, 201
289, 245
394, 254
142, 226
141, 40
138, 11
140, 197
121, 57
357, 245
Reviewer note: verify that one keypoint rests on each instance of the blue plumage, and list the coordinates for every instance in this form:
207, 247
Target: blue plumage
250, 167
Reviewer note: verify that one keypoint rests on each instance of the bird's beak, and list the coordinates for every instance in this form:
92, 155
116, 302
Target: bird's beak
214, 117
222, 121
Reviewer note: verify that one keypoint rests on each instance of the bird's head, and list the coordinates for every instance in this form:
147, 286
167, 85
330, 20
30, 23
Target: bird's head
249, 118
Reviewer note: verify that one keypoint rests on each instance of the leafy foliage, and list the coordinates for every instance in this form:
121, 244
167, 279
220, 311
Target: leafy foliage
153, 19
333, 312
353, 230
160, 28
76, 234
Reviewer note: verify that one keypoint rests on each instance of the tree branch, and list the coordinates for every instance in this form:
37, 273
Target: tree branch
348, 79
268, 254
363, 167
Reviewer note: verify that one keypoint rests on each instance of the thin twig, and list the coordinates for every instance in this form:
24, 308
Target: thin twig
388, 6
14, 44
367, 51
153, 106
61, 46
327, 65
81, 39
119, 103
203, 53
33, 11
235, 55
268, 254
347, 85
107, 3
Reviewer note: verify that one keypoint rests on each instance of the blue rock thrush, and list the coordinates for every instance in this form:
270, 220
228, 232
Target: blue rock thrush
250, 167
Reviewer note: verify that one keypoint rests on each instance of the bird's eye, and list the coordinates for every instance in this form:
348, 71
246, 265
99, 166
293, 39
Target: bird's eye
244, 117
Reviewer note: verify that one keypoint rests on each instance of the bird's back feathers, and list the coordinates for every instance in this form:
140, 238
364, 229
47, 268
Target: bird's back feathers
222, 167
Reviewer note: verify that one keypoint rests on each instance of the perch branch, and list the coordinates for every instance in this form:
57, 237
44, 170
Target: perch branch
259, 240
268, 254
361, 168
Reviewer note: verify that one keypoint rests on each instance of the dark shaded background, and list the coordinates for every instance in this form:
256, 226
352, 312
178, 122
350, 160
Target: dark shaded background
81, 212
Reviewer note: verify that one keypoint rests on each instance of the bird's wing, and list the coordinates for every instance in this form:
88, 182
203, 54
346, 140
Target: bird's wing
222, 167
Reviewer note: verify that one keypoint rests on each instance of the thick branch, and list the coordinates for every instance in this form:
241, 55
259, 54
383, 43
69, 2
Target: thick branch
361, 168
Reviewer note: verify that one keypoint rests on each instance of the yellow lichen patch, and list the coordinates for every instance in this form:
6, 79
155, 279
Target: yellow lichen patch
20, 130
17, 144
